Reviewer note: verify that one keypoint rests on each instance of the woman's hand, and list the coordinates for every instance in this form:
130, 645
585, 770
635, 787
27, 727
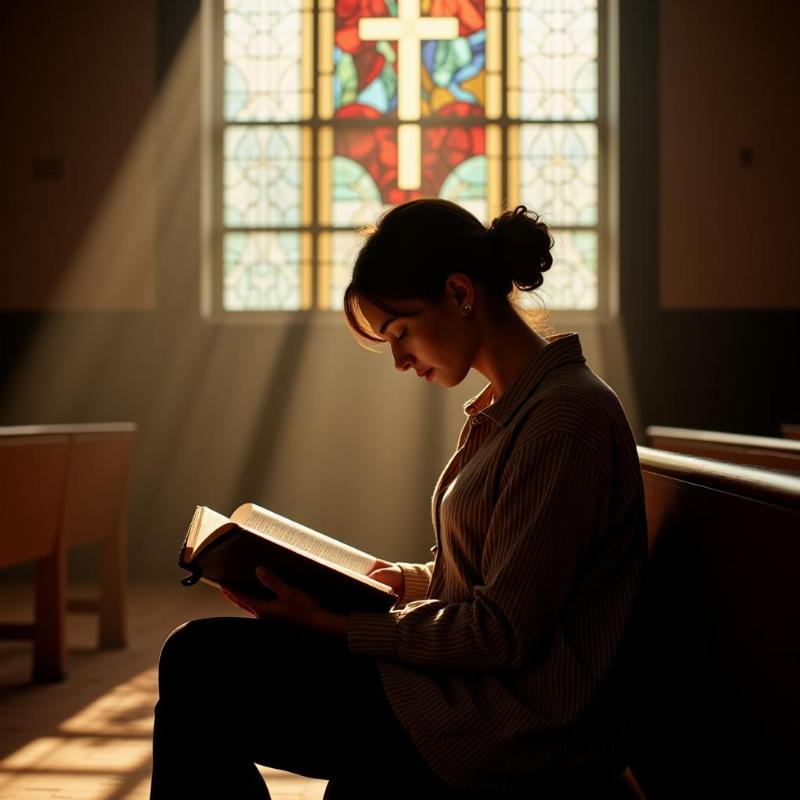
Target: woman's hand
390, 574
291, 605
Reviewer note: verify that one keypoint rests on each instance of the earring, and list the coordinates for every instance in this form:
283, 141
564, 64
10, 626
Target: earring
467, 309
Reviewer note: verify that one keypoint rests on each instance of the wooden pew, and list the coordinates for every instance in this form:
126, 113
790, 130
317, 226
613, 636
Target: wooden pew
33, 472
790, 431
758, 451
64, 486
716, 641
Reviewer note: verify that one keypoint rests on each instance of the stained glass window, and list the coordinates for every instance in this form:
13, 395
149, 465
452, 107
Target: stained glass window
327, 112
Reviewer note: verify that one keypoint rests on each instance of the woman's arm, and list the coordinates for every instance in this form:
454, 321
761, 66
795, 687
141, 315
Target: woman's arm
417, 580
409, 581
552, 504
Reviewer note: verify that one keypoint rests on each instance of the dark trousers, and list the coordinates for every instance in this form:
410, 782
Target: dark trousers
235, 692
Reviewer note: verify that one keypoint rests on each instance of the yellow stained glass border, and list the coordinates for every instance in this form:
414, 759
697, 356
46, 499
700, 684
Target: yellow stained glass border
493, 19
512, 166
306, 272
512, 60
325, 67
325, 175
494, 169
307, 64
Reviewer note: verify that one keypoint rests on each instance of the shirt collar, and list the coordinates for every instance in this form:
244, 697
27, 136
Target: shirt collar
563, 348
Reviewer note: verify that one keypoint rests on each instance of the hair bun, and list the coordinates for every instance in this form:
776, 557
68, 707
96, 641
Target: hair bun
522, 244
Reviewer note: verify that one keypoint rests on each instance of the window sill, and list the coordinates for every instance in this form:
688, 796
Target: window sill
559, 318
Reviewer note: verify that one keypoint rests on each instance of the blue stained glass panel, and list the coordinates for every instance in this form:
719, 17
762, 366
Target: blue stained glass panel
262, 176
262, 271
263, 60
344, 249
466, 185
558, 172
356, 197
572, 280
558, 59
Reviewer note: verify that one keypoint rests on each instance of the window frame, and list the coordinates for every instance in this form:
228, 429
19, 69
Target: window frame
211, 177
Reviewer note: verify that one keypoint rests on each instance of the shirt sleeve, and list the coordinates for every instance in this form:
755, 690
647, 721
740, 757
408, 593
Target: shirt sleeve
552, 502
416, 580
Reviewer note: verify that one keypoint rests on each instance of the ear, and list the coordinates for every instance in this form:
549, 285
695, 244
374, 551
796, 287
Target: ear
460, 290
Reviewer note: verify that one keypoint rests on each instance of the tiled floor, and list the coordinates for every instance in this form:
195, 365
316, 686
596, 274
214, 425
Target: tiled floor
88, 738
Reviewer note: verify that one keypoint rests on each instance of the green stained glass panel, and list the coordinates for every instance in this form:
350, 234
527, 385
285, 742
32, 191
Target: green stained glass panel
263, 60
262, 271
572, 280
466, 185
262, 176
558, 172
558, 59
356, 197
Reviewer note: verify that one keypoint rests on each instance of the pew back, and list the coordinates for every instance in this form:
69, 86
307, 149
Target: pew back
97, 485
32, 483
717, 700
63, 486
757, 451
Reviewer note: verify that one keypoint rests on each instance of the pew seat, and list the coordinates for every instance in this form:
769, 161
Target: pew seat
65, 486
757, 451
716, 641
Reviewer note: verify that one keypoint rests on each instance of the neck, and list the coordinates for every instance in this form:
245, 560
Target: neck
507, 345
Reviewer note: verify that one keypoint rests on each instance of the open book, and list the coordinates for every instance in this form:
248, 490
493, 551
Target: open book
225, 551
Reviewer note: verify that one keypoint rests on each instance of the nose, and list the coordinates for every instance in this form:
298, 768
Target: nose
403, 360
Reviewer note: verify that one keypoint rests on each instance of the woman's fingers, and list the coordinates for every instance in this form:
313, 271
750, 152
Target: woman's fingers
271, 581
235, 600
291, 604
390, 576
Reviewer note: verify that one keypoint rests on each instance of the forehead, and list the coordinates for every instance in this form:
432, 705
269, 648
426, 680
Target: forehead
378, 318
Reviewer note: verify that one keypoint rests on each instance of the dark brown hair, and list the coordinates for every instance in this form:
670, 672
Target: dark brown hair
416, 245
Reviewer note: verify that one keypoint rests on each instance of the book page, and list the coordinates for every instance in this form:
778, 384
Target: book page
205, 522
297, 535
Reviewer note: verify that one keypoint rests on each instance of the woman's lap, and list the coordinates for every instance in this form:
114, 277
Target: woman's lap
236, 691
286, 697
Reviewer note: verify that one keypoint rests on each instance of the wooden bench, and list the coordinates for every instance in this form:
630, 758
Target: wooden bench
716, 642
63, 486
758, 451
712, 664
790, 431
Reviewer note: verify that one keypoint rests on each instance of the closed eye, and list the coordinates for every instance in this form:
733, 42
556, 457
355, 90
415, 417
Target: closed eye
398, 336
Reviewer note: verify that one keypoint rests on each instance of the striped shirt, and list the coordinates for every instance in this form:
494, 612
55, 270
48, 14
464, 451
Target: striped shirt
495, 658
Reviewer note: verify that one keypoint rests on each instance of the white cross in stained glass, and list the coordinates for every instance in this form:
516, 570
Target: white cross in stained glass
409, 30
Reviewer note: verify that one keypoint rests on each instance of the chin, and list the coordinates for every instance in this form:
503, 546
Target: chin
451, 380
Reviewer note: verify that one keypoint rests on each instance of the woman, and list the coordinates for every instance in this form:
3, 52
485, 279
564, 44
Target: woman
498, 672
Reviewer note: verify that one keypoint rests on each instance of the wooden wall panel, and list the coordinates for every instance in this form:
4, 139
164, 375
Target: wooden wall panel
729, 167
78, 204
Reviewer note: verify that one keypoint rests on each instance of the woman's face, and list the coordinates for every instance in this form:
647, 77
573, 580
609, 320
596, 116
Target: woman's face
439, 343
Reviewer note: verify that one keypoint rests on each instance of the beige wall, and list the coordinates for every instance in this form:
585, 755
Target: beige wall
729, 172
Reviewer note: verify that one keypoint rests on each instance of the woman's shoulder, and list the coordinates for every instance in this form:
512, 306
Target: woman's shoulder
573, 401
